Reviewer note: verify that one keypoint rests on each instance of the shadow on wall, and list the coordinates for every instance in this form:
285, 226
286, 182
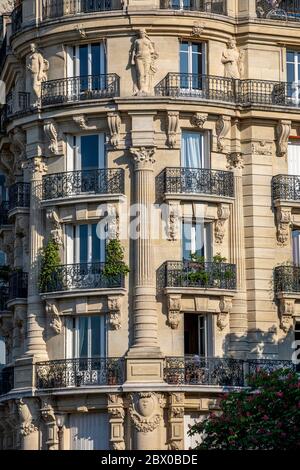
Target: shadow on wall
270, 344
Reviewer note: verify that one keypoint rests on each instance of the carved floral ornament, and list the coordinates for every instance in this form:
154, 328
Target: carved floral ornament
146, 410
223, 213
223, 126
235, 161
55, 322
114, 311
83, 123
174, 309
199, 119
51, 132
283, 131
56, 228
172, 127
286, 311
114, 125
174, 217
26, 416
143, 156
283, 222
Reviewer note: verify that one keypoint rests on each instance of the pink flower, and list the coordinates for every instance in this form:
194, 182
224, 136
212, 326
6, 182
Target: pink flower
279, 394
265, 418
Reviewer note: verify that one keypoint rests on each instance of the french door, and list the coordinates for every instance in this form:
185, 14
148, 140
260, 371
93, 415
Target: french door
192, 67
83, 244
198, 335
86, 70
89, 431
196, 239
293, 76
294, 158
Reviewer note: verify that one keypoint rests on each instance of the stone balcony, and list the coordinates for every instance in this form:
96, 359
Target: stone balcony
243, 93
197, 184
83, 372
217, 371
83, 185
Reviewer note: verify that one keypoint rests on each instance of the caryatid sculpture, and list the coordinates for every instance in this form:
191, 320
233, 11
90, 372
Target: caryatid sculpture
38, 67
232, 60
143, 58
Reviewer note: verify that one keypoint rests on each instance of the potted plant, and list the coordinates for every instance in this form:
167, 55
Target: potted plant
50, 261
115, 266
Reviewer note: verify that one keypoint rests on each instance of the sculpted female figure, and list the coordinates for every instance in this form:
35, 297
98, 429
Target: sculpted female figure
143, 58
38, 67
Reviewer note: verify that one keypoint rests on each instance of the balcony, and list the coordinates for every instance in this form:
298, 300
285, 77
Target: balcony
76, 89
221, 372
240, 92
19, 196
284, 10
18, 286
89, 372
287, 279
286, 188
80, 276
16, 19
4, 206
218, 7
6, 379
17, 104
206, 275
196, 181
87, 182
58, 8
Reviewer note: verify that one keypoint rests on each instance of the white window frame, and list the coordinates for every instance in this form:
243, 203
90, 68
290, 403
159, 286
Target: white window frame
189, 88
74, 151
207, 237
72, 243
72, 337
205, 148
296, 95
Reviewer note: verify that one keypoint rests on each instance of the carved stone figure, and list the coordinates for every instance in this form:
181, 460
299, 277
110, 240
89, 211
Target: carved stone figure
232, 60
143, 58
52, 135
114, 124
27, 425
53, 313
38, 67
114, 308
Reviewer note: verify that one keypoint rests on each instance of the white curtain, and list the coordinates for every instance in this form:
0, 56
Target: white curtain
88, 431
294, 158
296, 247
192, 155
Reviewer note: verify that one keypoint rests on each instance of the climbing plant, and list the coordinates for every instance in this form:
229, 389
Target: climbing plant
115, 265
50, 260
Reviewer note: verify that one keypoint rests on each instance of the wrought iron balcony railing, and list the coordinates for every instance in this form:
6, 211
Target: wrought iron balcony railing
223, 371
17, 103
4, 206
71, 183
3, 295
82, 276
209, 6
206, 275
198, 181
91, 87
59, 8
240, 92
287, 279
6, 379
279, 10
16, 19
286, 187
80, 372
19, 195
195, 370
18, 285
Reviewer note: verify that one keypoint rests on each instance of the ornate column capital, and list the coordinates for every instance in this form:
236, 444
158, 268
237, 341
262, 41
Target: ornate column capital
143, 157
37, 166
199, 119
235, 161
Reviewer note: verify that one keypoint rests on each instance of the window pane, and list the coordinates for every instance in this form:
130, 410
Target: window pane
95, 50
290, 72
89, 152
184, 62
201, 325
83, 243
290, 56
186, 240
83, 337
96, 258
95, 335
83, 60
191, 150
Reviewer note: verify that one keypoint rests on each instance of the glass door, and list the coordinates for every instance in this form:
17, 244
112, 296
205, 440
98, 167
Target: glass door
196, 239
192, 67
293, 76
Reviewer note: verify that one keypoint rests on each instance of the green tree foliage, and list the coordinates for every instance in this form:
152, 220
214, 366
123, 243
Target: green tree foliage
265, 416
50, 260
114, 260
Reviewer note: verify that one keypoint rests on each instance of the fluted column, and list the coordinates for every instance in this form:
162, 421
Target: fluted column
35, 314
238, 315
145, 315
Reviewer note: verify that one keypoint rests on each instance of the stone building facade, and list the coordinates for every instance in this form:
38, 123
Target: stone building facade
191, 106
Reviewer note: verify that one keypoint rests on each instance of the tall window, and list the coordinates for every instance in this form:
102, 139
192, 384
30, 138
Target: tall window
194, 149
198, 337
86, 152
88, 64
192, 65
294, 158
196, 238
83, 245
293, 74
86, 337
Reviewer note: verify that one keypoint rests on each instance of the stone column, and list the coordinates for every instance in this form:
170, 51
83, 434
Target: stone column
145, 315
36, 345
116, 414
146, 412
238, 316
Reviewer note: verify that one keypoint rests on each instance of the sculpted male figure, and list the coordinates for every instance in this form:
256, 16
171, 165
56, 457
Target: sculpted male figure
231, 60
143, 57
38, 67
